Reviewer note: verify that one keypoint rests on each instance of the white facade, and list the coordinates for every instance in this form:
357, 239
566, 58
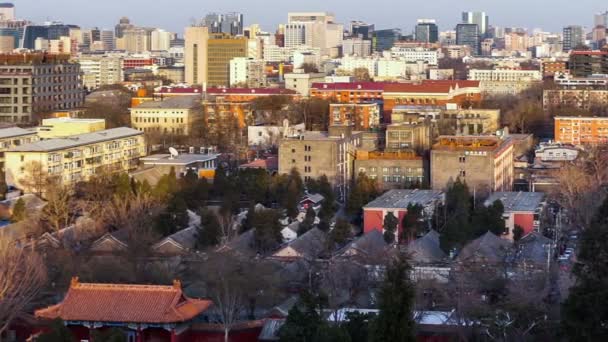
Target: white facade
301, 83
100, 70
430, 56
349, 64
247, 72
306, 57
160, 40
356, 47
316, 30
505, 75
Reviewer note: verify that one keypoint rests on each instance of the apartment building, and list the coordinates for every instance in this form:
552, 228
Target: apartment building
574, 97
78, 157
65, 127
505, 81
177, 115
12, 137
391, 170
315, 153
35, 83
577, 130
101, 70
585, 63
363, 116
485, 163
247, 72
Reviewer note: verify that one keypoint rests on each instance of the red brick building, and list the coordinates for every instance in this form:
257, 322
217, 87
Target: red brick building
427, 92
396, 202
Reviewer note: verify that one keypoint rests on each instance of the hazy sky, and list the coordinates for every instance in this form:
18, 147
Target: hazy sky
174, 15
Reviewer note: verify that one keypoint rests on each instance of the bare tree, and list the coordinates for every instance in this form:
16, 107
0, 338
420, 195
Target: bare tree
225, 282
58, 211
22, 275
35, 178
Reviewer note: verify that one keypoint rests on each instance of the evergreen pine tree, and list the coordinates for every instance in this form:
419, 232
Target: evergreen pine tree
395, 321
209, 231
390, 227
19, 211
584, 314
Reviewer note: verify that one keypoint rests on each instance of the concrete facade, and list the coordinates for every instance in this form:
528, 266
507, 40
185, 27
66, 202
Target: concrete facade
485, 163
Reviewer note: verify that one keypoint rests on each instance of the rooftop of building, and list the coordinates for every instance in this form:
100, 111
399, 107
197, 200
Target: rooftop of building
177, 102
589, 52
377, 155
51, 145
315, 135
401, 199
51, 121
425, 86
179, 160
471, 143
125, 303
32, 58
596, 118
517, 201
13, 132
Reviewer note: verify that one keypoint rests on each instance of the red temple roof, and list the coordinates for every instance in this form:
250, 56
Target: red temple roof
125, 303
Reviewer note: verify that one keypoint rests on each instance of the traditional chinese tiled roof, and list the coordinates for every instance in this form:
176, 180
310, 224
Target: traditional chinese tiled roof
125, 304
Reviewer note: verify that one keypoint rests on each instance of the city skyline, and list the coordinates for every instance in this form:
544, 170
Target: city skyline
513, 13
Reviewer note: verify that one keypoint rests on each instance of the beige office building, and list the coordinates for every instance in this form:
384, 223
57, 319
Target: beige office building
78, 157
177, 115
207, 56
12, 137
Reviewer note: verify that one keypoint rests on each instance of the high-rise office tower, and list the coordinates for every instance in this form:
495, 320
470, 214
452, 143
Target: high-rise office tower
385, 39
478, 18
426, 31
230, 23
600, 19
207, 56
574, 36
160, 40
107, 40
195, 54
361, 29
123, 25
7, 12
468, 34
319, 30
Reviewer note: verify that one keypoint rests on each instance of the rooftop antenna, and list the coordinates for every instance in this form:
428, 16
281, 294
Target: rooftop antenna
173, 153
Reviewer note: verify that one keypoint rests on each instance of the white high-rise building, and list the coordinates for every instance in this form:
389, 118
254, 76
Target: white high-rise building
107, 40
160, 40
316, 29
478, 18
100, 70
7, 12
357, 47
247, 72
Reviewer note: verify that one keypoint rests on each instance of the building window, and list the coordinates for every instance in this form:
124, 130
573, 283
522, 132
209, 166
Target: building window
463, 159
463, 173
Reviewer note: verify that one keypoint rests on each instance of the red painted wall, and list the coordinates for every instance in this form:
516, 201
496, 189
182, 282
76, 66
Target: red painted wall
526, 221
374, 219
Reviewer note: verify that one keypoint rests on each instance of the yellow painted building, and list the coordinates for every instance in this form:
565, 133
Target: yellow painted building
177, 115
207, 56
78, 157
65, 127
12, 137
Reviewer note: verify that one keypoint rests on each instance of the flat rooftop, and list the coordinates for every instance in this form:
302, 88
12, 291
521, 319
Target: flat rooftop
179, 160
51, 145
13, 132
175, 102
316, 135
51, 121
470, 143
400, 199
517, 201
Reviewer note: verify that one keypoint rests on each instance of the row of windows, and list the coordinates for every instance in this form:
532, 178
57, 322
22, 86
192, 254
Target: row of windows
392, 169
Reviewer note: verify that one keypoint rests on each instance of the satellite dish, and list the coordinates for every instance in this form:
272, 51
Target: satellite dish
173, 152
